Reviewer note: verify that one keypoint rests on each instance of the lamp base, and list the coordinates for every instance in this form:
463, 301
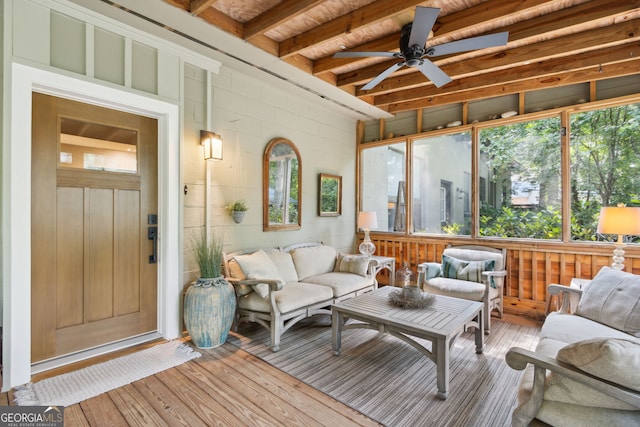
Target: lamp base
618, 257
367, 248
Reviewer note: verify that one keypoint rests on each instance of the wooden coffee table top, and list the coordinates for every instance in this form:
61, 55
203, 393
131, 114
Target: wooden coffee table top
443, 316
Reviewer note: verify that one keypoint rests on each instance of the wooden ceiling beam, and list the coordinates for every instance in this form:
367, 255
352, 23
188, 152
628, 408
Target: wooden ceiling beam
280, 13
599, 38
198, 6
366, 15
562, 79
538, 69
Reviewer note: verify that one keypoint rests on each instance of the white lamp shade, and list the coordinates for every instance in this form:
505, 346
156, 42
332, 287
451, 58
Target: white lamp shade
619, 220
367, 220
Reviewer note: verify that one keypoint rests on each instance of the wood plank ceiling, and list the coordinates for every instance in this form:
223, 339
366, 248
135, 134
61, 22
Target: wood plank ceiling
551, 43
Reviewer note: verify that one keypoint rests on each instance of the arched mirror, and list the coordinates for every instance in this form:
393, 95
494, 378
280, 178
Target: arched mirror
281, 186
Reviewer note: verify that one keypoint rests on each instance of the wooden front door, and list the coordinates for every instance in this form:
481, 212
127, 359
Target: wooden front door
94, 201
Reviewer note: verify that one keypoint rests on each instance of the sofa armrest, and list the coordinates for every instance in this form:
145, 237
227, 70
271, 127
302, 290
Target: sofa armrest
565, 293
274, 285
431, 269
518, 358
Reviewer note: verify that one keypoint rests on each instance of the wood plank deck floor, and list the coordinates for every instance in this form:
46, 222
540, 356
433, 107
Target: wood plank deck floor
226, 387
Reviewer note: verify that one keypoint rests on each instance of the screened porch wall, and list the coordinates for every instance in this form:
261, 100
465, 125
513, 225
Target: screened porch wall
531, 266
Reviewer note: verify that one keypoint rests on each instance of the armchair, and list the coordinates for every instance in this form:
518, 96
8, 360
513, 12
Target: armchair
469, 272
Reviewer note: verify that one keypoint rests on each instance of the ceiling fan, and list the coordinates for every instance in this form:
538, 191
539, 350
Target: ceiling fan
414, 53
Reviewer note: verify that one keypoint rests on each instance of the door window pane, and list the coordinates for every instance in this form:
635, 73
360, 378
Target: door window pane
94, 146
522, 161
441, 184
384, 186
605, 165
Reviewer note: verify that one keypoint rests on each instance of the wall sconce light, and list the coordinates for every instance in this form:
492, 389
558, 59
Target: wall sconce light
212, 143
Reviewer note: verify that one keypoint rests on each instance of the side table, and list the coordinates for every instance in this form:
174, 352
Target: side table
385, 262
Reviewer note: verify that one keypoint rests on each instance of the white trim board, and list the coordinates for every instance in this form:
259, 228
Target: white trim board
16, 232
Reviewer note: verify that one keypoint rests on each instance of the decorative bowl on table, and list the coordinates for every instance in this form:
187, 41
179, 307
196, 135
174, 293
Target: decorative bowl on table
410, 297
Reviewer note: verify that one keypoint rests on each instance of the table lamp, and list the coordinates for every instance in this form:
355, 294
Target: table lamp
367, 221
620, 220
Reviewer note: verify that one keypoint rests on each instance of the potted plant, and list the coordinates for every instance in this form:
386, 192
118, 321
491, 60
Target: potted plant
209, 303
237, 210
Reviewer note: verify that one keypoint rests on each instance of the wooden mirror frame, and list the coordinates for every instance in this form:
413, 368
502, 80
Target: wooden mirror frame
267, 225
335, 194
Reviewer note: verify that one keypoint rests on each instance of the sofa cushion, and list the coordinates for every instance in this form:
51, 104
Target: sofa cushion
235, 272
341, 283
284, 264
356, 264
256, 266
314, 260
455, 288
293, 296
615, 360
613, 298
471, 271
569, 328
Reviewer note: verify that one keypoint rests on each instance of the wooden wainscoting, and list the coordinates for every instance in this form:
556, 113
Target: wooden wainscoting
531, 265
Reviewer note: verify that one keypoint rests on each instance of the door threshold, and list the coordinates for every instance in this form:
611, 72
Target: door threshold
93, 355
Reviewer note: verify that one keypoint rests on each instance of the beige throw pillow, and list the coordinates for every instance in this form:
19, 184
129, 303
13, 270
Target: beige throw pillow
256, 266
612, 359
613, 299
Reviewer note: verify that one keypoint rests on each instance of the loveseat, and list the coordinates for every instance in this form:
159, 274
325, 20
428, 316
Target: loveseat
277, 288
585, 369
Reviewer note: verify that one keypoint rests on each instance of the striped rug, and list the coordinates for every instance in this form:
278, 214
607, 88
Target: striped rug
390, 381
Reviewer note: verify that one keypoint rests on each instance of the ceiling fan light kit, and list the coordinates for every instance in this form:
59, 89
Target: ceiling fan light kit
414, 53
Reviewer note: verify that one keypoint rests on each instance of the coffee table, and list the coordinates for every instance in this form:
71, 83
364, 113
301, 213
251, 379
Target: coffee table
441, 322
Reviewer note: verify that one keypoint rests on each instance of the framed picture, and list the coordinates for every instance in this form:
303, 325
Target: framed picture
330, 195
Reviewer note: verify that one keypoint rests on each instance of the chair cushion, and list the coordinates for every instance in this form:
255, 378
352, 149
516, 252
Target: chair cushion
456, 288
314, 260
356, 264
467, 254
570, 328
616, 360
293, 296
455, 268
341, 283
256, 266
613, 299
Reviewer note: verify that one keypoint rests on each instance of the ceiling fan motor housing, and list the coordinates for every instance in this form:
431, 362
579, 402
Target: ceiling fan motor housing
411, 54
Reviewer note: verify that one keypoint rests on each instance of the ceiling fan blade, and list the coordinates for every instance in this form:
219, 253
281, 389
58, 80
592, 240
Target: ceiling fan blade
434, 73
347, 54
383, 75
472, 43
423, 21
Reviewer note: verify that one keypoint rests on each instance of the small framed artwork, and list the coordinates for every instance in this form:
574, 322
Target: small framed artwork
330, 195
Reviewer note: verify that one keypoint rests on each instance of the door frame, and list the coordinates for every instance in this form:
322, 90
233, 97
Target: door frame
16, 207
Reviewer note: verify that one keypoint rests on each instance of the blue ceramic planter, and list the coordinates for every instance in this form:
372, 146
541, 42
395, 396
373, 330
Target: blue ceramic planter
209, 309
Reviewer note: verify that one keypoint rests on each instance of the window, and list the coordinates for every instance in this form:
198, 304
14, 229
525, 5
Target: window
605, 164
523, 160
384, 186
441, 177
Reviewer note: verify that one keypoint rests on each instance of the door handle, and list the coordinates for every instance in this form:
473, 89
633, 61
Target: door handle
152, 234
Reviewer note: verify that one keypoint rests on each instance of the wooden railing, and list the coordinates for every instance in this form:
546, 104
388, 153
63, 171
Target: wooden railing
531, 265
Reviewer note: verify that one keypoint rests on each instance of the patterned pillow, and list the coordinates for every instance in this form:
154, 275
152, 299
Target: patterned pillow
471, 271
356, 264
613, 299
